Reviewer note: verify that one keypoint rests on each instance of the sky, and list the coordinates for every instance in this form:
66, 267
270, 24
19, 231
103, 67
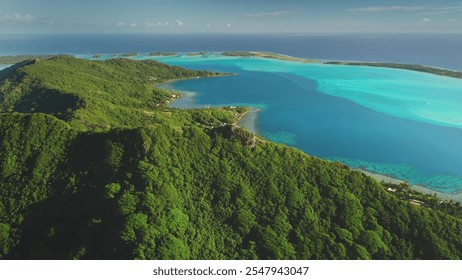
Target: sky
230, 16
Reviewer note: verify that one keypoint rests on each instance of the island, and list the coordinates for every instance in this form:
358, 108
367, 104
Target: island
196, 53
163, 53
412, 67
96, 165
128, 54
268, 55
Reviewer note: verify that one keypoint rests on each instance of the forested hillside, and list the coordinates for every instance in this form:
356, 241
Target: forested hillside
90, 94
95, 166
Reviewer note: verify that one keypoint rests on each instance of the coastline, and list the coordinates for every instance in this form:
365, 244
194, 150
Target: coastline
391, 65
411, 67
4, 66
455, 197
269, 55
216, 74
249, 120
186, 100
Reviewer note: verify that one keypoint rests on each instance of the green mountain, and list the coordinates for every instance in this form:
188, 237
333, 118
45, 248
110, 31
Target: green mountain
94, 165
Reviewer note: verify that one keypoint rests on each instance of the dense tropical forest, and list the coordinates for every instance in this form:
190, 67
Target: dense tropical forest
95, 165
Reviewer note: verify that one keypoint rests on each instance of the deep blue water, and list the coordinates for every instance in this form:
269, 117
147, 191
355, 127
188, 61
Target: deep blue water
442, 50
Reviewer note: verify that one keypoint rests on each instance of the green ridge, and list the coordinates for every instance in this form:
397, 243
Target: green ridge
79, 181
13, 59
91, 94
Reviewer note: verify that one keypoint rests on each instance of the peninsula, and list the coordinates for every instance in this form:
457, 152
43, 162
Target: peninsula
163, 53
268, 55
412, 67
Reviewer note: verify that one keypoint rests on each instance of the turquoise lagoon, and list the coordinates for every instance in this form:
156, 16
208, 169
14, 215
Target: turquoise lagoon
400, 123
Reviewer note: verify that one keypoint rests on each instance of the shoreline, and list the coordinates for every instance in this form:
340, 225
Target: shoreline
216, 75
185, 100
269, 55
439, 71
455, 197
249, 119
390, 65
411, 67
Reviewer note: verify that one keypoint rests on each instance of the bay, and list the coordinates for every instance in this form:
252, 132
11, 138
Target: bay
396, 122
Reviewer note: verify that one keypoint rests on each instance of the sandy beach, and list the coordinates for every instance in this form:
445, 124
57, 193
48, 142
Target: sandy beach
249, 120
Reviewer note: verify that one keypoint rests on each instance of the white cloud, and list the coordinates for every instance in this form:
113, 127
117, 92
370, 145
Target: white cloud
23, 19
444, 10
424, 9
268, 14
208, 25
457, 8
426, 20
388, 8
228, 25
452, 20
133, 24
179, 22
97, 24
121, 23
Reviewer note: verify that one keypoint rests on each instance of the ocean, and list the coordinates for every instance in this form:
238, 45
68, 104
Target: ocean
440, 50
400, 123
